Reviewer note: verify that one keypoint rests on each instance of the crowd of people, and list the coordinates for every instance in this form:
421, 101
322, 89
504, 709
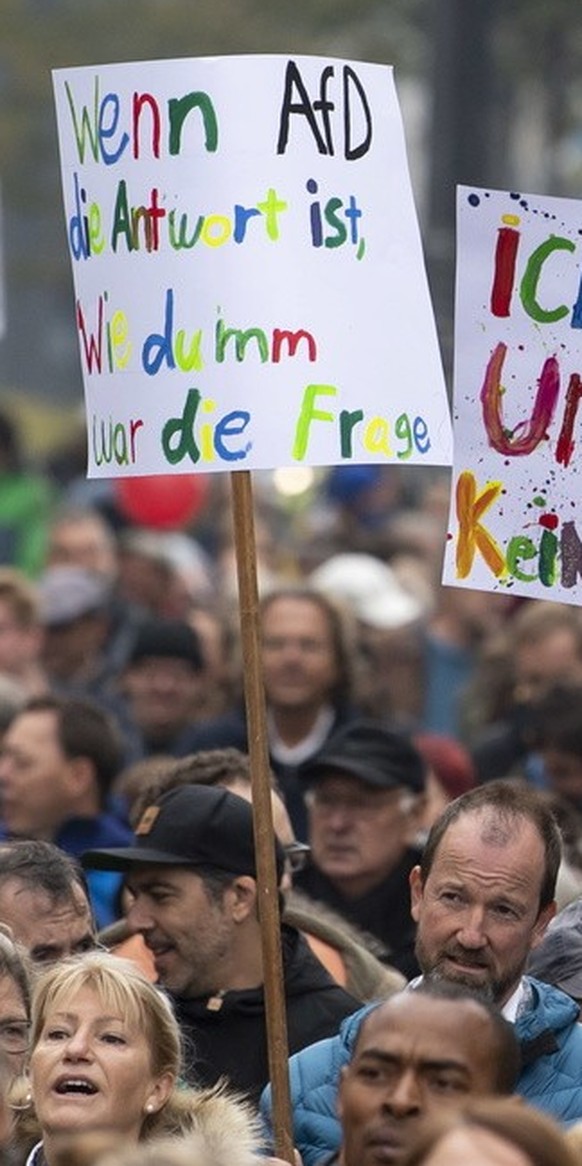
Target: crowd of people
426, 789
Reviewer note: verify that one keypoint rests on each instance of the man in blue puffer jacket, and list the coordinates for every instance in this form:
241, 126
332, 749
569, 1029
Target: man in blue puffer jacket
482, 898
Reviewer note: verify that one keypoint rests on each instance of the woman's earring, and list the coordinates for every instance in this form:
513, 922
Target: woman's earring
21, 1095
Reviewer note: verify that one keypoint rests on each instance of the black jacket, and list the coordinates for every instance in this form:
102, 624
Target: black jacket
383, 912
230, 1040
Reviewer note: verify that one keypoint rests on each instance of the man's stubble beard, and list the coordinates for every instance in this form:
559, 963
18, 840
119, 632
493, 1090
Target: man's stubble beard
490, 990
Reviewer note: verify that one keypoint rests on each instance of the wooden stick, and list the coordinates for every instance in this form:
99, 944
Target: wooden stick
268, 892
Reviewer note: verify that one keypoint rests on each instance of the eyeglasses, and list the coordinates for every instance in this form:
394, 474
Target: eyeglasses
296, 854
326, 802
14, 1035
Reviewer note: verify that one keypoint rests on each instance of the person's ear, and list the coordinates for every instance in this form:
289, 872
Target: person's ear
243, 898
416, 892
81, 776
540, 926
159, 1094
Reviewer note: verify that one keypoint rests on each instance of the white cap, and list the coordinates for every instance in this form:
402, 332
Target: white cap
370, 588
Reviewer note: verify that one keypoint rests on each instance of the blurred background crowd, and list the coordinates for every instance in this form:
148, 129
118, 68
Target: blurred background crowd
124, 593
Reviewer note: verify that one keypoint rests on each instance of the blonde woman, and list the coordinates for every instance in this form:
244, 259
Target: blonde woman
106, 1056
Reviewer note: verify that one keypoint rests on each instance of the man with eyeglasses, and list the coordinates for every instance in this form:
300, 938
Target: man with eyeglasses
15, 992
365, 794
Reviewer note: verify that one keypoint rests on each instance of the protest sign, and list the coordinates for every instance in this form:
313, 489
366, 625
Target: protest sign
518, 365
249, 281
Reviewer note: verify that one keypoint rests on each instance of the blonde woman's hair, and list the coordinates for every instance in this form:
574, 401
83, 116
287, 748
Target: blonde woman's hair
120, 985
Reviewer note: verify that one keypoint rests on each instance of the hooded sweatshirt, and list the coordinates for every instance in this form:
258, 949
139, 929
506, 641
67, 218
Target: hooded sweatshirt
226, 1033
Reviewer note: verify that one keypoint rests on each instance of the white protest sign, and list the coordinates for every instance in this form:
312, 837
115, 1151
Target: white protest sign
249, 280
518, 363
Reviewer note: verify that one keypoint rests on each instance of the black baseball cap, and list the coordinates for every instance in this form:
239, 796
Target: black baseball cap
169, 638
192, 825
364, 749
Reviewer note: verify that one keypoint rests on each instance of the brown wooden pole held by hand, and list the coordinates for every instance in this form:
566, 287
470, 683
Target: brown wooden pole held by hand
268, 892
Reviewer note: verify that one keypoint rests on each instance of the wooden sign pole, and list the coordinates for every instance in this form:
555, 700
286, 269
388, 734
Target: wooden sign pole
268, 892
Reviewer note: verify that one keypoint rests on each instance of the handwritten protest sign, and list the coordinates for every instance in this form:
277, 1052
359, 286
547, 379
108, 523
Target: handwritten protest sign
249, 282
517, 488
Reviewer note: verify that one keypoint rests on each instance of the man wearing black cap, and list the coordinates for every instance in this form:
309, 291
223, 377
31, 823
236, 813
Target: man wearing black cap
162, 683
192, 881
365, 792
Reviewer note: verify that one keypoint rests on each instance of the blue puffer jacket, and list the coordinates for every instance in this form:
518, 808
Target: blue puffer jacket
551, 1049
551, 1043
